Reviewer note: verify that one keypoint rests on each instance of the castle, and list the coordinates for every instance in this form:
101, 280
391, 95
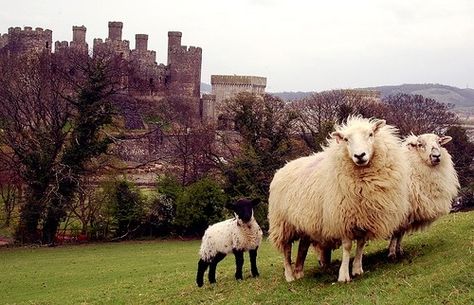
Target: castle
181, 76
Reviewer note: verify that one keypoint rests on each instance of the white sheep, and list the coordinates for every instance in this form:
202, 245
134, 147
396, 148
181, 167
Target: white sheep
433, 184
233, 235
352, 190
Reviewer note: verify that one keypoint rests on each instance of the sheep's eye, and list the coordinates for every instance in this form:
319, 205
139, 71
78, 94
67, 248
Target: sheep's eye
420, 145
346, 139
371, 134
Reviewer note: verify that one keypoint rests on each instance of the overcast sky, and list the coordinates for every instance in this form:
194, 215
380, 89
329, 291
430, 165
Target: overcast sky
299, 45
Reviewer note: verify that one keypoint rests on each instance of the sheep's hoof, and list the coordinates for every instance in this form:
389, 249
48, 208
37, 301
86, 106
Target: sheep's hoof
400, 252
344, 278
392, 257
299, 274
289, 276
255, 274
357, 271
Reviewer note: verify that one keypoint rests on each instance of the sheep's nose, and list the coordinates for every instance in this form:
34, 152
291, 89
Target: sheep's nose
359, 156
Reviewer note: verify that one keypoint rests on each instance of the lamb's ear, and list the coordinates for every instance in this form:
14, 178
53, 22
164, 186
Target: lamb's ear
378, 124
444, 140
338, 136
230, 206
255, 202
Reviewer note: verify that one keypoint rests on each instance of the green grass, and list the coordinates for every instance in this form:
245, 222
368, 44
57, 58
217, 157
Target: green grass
438, 269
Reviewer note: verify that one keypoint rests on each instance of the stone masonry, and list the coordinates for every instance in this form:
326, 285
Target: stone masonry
181, 76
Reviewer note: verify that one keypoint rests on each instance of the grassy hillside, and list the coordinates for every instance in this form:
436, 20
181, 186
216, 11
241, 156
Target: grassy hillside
438, 269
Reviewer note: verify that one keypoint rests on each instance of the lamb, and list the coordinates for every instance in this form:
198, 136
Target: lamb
433, 184
351, 190
233, 235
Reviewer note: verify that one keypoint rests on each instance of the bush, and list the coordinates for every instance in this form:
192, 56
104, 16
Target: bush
196, 206
124, 207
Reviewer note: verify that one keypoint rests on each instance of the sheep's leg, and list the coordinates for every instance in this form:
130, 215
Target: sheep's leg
394, 249
212, 268
398, 248
202, 267
346, 256
324, 256
253, 262
239, 262
357, 263
287, 263
303, 247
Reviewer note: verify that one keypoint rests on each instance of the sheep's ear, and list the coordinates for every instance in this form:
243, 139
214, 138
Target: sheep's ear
444, 140
255, 202
338, 136
378, 124
230, 206
412, 144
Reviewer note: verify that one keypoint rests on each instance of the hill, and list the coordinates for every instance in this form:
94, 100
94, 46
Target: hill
462, 99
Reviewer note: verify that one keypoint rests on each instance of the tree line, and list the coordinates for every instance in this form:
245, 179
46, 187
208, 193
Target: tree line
59, 124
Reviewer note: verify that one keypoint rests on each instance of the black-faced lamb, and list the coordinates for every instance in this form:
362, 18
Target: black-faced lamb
237, 235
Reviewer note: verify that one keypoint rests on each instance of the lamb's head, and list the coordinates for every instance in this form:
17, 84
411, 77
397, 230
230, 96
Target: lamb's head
358, 135
243, 209
428, 146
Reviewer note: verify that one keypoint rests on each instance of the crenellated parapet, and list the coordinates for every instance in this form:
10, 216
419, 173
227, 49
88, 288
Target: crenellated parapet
180, 76
27, 40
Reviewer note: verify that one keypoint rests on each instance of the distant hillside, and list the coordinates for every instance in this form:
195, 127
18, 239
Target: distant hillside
462, 99
205, 88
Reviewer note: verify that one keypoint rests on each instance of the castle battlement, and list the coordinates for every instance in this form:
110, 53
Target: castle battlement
61, 45
239, 80
180, 76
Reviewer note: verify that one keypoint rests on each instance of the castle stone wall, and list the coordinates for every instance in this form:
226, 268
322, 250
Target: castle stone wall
27, 40
227, 86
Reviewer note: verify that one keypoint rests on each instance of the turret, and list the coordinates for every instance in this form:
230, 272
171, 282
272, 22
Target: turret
115, 30
79, 34
141, 42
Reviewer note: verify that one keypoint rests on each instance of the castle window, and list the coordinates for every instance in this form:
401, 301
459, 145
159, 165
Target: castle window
47, 44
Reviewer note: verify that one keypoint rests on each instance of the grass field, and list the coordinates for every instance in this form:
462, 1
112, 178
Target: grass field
438, 269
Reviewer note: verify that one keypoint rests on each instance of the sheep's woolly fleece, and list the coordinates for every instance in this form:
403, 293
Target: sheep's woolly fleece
228, 235
326, 196
431, 188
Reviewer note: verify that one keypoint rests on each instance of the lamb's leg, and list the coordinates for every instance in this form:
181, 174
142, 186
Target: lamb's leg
303, 247
357, 263
253, 262
212, 268
239, 262
287, 262
202, 267
346, 256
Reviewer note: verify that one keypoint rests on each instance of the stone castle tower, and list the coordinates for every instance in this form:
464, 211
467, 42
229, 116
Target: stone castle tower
180, 77
225, 87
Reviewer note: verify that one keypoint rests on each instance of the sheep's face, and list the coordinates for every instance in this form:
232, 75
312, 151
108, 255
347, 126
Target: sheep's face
428, 147
359, 140
243, 209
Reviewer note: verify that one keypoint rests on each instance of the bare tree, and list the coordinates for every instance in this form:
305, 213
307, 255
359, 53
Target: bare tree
318, 113
417, 114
